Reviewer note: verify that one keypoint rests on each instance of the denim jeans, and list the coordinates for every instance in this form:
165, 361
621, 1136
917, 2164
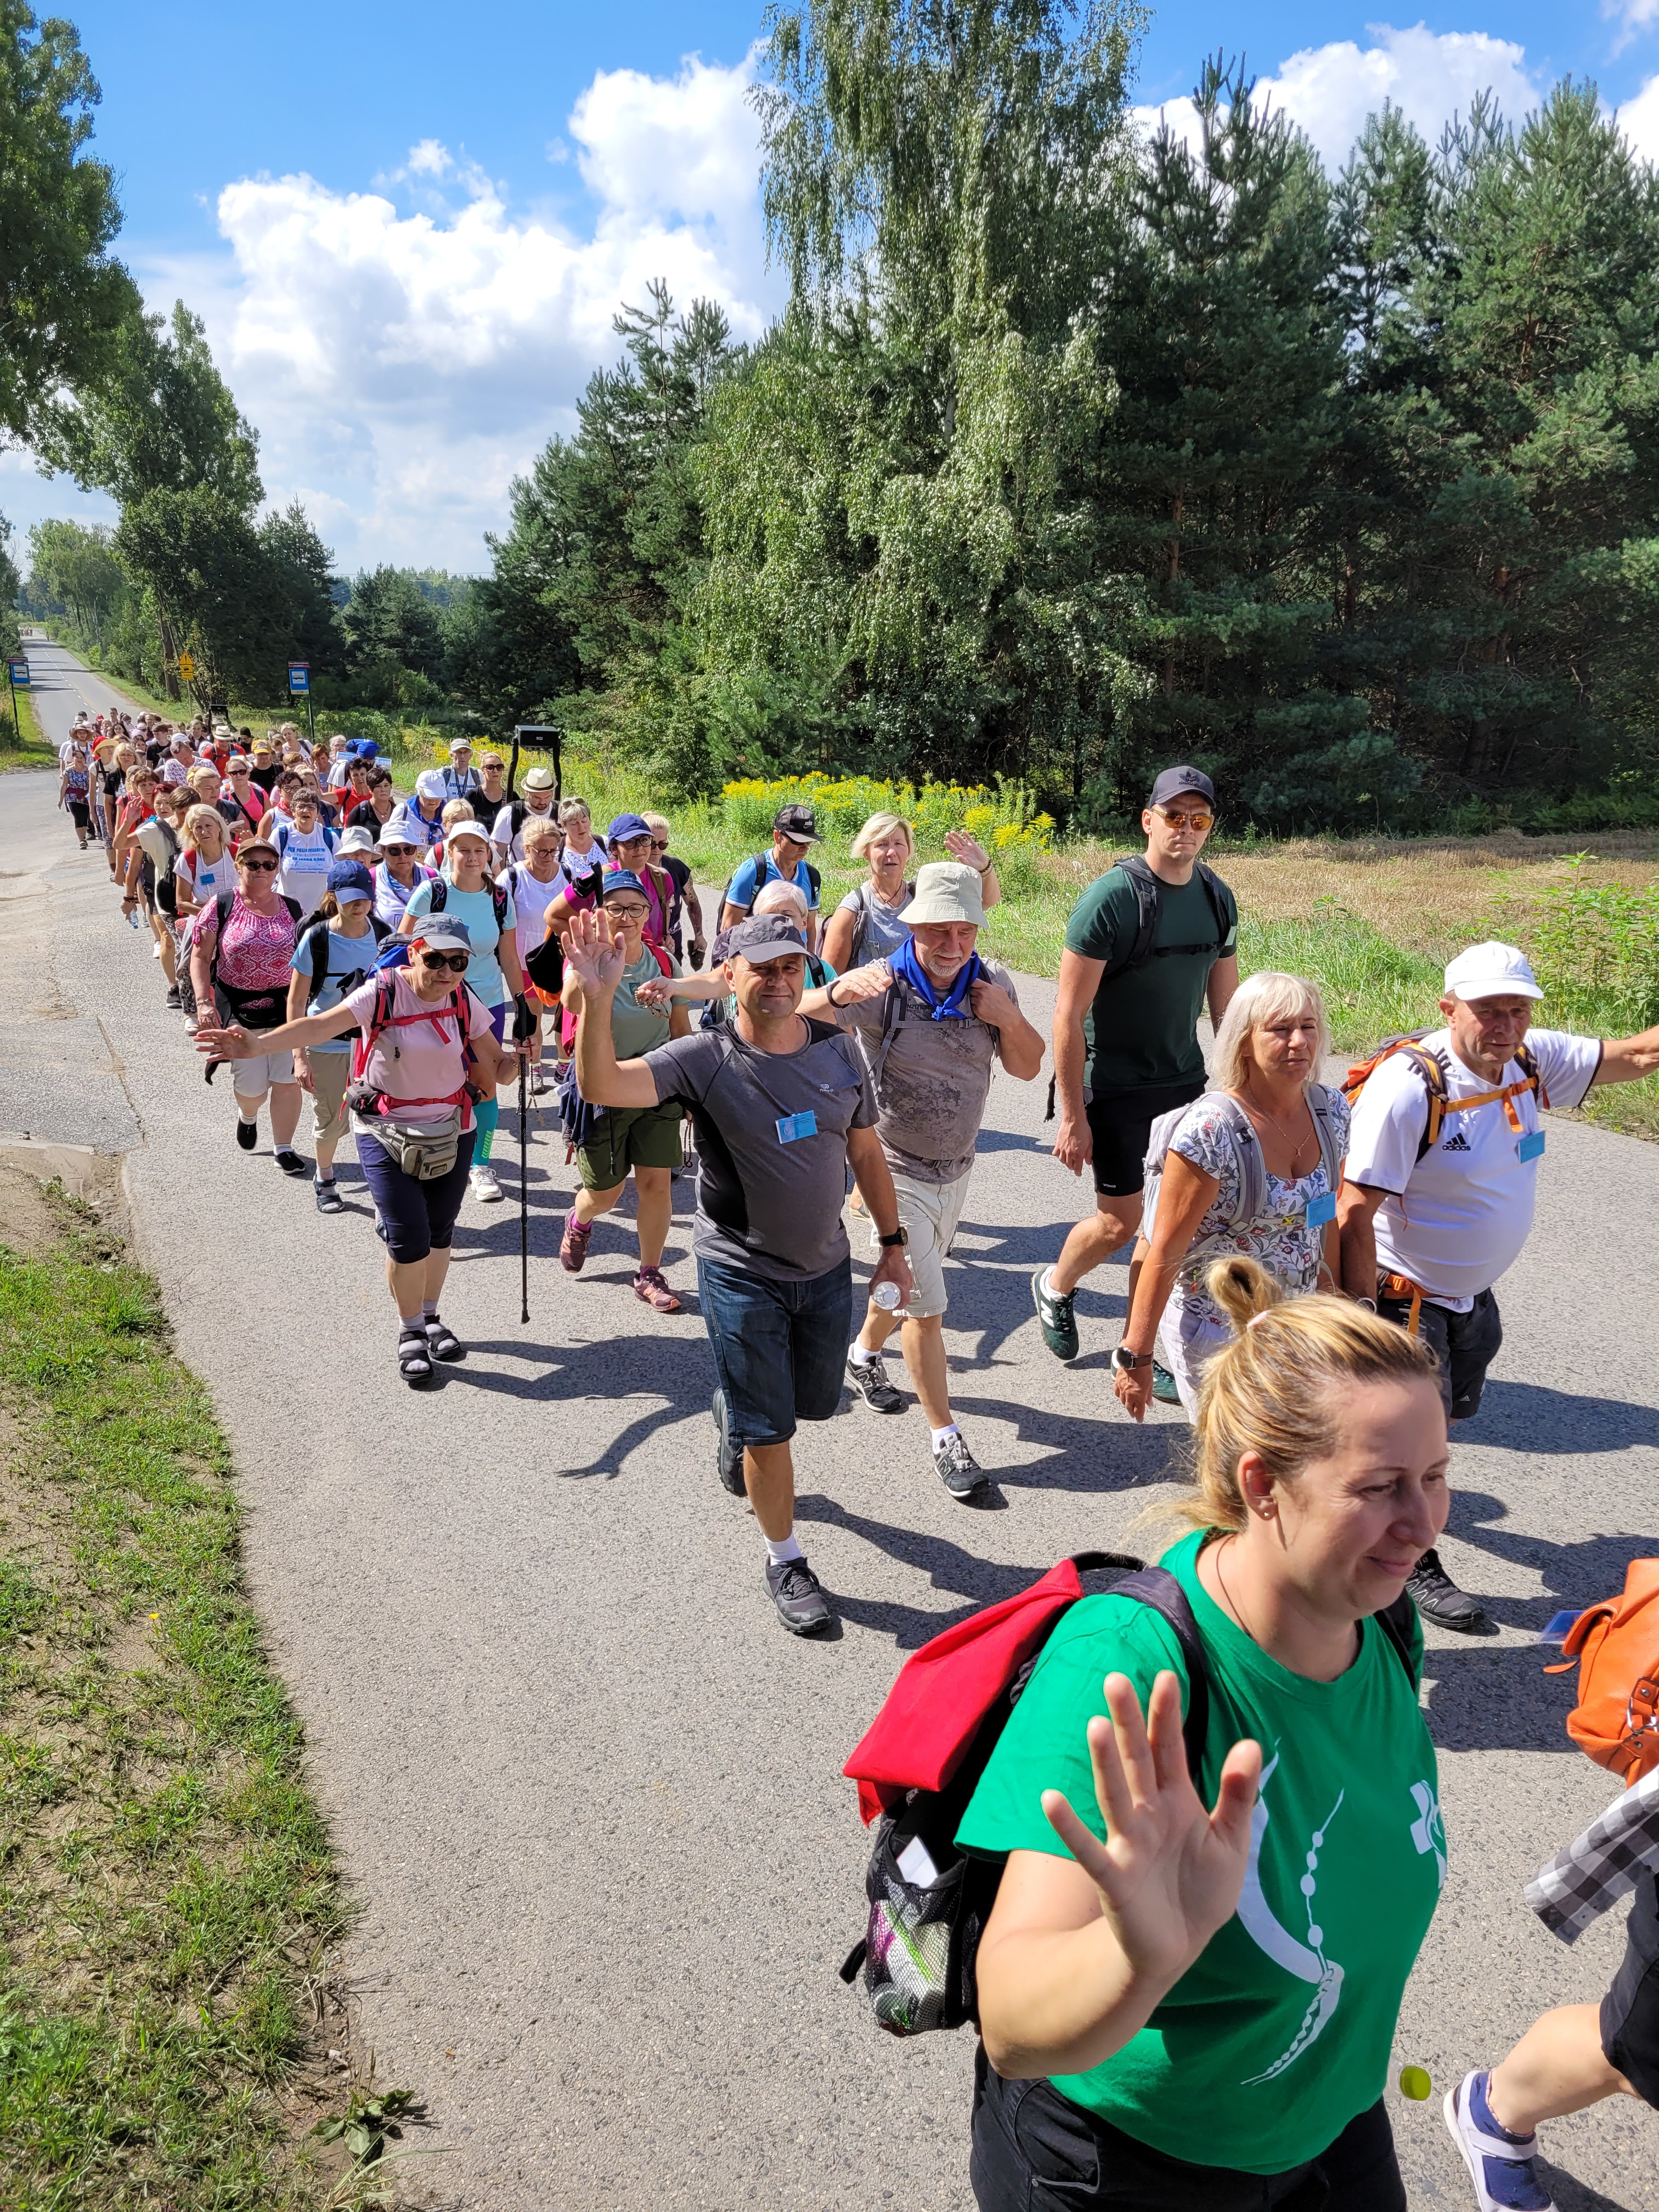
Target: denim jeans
780, 1348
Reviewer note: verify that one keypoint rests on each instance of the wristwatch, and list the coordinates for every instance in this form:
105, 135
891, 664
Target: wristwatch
1128, 1361
829, 993
900, 1236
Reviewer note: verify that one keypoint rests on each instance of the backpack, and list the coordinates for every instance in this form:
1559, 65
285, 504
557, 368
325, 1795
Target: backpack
499, 898
1431, 1067
1247, 1150
166, 880
316, 937
237, 1000
359, 1097
331, 835
861, 895
762, 862
1616, 1645
921, 1760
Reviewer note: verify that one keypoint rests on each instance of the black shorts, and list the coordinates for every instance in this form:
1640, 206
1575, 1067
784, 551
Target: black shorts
1465, 1344
1630, 2010
1035, 2151
1120, 1128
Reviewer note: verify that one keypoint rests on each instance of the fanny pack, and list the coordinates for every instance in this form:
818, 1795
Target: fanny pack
426, 1154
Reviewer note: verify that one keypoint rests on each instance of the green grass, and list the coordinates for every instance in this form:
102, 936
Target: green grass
34, 750
166, 1886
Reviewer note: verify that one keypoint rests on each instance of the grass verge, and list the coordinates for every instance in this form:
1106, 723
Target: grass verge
34, 750
166, 1887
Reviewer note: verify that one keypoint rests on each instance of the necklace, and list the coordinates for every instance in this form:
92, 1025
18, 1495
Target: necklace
1259, 1113
1226, 1594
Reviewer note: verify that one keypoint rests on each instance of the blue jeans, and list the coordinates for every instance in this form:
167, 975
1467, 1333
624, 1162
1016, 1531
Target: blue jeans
780, 1348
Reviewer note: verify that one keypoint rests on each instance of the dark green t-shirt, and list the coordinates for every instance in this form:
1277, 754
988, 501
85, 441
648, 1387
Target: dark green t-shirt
1142, 1030
1279, 2033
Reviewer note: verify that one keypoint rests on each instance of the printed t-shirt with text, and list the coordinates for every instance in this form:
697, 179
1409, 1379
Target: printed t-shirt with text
1457, 1218
306, 858
1141, 1032
420, 1060
931, 1088
772, 1207
1279, 2032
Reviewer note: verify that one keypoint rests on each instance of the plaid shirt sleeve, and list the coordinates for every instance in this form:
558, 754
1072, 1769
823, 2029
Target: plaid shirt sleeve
1602, 1865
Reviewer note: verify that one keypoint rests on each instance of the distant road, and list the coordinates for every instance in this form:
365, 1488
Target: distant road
61, 684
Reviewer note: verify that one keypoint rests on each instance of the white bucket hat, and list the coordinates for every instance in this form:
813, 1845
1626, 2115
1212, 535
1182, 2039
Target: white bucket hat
946, 890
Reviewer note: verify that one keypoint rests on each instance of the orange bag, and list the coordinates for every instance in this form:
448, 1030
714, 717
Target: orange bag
1616, 1643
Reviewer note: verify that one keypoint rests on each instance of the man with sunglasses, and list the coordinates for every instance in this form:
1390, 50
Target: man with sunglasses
794, 833
1147, 944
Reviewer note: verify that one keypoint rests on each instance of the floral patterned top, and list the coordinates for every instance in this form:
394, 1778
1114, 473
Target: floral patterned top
258, 951
1281, 1238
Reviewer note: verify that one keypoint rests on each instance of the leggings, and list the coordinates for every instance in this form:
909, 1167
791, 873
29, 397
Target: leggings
488, 1114
1035, 2151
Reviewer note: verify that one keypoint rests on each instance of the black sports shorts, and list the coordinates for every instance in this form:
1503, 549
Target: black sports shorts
1630, 2010
1121, 1127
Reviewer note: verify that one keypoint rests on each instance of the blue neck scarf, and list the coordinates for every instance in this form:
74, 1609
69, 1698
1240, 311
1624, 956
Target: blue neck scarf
906, 968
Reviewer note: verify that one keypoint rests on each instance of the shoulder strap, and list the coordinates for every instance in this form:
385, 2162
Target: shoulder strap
439, 892
316, 940
1395, 1622
891, 1021
1319, 1099
1157, 1589
1247, 1150
660, 954
815, 879
1148, 896
292, 906
499, 896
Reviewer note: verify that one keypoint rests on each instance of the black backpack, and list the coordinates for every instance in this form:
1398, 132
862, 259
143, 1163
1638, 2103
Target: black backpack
928, 1911
763, 862
236, 1004
498, 899
314, 942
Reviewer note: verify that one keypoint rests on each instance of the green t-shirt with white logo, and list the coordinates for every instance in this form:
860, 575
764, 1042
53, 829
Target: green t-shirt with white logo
1279, 2033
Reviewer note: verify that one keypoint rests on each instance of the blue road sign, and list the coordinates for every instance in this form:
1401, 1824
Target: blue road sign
19, 673
299, 676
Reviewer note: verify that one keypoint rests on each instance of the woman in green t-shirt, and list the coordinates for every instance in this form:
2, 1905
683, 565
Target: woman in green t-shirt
1190, 2011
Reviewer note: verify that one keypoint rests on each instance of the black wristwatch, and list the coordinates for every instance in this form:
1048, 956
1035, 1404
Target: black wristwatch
900, 1236
1128, 1361
830, 998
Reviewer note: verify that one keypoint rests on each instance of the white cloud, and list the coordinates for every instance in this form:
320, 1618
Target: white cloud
1639, 118
1328, 91
402, 366
1633, 17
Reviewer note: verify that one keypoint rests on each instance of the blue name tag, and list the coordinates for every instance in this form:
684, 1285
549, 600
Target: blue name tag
793, 1127
1321, 1210
1531, 1145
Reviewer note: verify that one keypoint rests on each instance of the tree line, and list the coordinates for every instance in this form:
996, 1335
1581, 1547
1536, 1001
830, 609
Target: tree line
1076, 449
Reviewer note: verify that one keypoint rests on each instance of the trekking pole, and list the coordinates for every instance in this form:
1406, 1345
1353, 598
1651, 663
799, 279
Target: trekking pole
524, 1025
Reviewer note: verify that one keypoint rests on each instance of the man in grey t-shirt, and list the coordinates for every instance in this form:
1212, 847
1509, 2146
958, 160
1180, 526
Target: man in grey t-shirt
780, 1105
932, 1020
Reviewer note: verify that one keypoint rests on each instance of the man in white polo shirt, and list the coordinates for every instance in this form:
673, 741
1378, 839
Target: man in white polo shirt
1442, 1174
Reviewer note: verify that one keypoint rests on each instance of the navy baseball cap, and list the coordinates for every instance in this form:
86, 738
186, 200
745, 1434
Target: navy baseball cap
626, 826
763, 936
350, 879
622, 879
1176, 782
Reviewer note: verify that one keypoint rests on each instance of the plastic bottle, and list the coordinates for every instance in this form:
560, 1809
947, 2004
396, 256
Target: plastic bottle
888, 1297
133, 919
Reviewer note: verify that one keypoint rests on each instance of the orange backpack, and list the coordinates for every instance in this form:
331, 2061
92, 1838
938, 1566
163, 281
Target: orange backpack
1616, 1643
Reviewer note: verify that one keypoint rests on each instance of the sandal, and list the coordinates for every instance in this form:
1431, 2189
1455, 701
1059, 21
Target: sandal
649, 1286
441, 1341
413, 1363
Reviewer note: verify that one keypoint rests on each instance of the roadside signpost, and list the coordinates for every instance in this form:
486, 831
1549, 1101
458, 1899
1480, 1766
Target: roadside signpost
17, 675
187, 668
299, 687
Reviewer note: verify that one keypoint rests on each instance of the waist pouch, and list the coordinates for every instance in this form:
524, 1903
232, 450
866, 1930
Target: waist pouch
427, 1155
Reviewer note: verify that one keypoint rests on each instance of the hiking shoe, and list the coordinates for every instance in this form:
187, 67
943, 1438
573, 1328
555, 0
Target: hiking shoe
289, 1161
573, 1245
802, 1606
1439, 1600
1163, 1386
1500, 2165
175, 999
650, 1288
327, 1196
960, 1472
728, 1455
247, 1133
869, 1379
486, 1187
1054, 1312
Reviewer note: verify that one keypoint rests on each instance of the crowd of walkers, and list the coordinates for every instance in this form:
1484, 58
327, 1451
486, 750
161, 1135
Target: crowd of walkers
1215, 1873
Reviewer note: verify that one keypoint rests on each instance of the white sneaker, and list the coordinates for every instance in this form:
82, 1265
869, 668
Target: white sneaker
1505, 2179
155, 950
485, 1189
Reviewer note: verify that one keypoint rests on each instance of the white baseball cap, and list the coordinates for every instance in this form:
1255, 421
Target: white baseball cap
1492, 971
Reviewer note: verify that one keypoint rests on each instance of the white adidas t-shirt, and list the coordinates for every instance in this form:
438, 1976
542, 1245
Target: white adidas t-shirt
1457, 1219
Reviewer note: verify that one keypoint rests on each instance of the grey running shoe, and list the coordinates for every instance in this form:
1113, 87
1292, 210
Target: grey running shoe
960, 1472
869, 1379
1055, 1311
802, 1606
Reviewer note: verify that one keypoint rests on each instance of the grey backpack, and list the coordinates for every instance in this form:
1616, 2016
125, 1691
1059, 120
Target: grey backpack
1247, 1150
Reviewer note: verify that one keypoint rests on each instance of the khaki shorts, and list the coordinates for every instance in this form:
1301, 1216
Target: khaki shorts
255, 1075
330, 1072
630, 1137
929, 1212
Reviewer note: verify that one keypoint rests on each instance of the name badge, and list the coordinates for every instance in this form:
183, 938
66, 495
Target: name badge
1321, 1210
1532, 1145
793, 1127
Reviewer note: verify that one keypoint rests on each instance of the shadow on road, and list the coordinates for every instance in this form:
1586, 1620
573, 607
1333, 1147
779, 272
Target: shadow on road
1527, 1416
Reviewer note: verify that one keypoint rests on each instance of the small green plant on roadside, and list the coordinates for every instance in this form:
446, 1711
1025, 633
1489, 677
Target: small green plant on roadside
370, 2121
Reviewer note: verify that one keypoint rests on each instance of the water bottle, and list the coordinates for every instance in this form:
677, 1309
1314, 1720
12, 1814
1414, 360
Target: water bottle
888, 1297
133, 919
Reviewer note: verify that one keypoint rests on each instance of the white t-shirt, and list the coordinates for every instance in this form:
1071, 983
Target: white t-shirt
307, 858
531, 901
501, 834
1456, 1218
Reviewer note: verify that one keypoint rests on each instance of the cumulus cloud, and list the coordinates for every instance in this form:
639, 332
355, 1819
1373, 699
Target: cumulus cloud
1639, 118
1328, 91
402, 363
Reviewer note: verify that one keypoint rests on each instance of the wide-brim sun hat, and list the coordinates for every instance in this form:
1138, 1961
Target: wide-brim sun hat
947, 891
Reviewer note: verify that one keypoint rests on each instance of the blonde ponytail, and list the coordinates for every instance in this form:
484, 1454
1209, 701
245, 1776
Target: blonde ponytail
1277, 1390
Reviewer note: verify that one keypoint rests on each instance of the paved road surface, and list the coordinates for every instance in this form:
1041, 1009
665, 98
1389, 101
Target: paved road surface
587, 1791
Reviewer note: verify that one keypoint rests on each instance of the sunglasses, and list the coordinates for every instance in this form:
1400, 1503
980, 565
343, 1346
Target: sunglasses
1187, 820
258, 867
659, 844
397, 852
457, 962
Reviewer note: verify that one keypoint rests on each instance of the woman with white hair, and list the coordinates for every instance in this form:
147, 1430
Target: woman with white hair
1253, 1167
867, 925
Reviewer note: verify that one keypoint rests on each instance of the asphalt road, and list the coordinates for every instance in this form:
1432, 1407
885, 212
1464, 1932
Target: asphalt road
587, 1791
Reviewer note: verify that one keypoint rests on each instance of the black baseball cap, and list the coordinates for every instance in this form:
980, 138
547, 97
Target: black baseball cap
797, 822
1175, 781
763, 936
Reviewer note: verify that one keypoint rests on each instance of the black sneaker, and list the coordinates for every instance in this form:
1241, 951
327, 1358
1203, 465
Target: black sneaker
1438, 1598
869, 1378
247, 1133
329, 1200
175, 999
802, 1606
289, 1161
728, 1456
1054, 1312
960, 1472
1163, 1386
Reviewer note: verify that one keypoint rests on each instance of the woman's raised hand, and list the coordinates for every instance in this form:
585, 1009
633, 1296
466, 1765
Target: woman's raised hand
594, 956
1169, 1873
969, 850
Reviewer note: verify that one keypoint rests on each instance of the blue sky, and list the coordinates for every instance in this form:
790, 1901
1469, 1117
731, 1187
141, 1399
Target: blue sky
407, 227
